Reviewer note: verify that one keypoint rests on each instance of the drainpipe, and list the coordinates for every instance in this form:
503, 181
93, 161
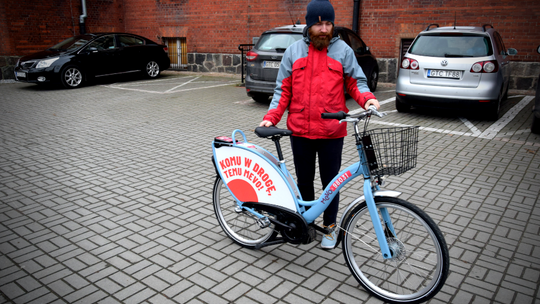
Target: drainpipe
356, 11
82, 17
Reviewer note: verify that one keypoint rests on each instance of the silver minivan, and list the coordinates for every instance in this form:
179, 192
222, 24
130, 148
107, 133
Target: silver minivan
455, 67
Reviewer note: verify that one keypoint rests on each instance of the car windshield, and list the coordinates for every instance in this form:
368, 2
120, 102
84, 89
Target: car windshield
451, 46
277, 41
72, 43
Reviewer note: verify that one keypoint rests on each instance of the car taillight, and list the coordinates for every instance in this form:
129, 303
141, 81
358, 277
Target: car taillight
485, 67
409, 63
250, 56
166, 49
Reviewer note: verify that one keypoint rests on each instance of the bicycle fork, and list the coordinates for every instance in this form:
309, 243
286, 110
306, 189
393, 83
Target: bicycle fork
377, 225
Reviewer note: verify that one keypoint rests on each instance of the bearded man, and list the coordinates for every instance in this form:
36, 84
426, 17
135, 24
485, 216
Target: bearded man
310, 82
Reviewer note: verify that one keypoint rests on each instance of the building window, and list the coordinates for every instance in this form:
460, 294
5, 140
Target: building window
405, 44
177, 52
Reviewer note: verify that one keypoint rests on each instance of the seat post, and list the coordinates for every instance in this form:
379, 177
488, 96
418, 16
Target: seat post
276, 139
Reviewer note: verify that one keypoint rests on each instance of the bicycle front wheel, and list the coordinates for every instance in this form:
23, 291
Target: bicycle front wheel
420, 261
240, 225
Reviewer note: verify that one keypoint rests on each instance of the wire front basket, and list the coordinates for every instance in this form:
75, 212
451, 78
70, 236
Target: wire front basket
391, 151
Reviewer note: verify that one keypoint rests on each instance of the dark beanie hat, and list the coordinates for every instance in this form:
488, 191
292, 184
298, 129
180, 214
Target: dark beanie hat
319, 10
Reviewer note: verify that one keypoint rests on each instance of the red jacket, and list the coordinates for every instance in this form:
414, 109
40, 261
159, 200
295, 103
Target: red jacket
311, 82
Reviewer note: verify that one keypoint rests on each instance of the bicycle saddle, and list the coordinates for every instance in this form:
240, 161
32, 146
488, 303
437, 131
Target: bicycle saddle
272, 131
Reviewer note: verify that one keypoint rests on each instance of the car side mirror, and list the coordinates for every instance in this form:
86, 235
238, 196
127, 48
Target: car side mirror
92, 49
538, 49
512, 51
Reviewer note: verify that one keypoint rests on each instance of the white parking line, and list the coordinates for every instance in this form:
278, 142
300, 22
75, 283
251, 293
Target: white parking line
490, 133
494, 129
473, 128
168, 91
183, 84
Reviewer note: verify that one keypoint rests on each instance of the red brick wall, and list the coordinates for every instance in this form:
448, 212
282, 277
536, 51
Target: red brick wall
213, 26
384, 23
27, 26
219, 26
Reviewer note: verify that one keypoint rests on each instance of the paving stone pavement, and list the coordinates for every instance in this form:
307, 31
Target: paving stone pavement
106, 197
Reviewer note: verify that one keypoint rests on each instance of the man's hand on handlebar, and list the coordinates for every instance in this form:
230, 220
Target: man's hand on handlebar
373, 102
266, 123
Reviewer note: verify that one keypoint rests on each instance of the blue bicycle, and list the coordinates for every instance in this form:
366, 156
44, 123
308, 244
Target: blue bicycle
392, 247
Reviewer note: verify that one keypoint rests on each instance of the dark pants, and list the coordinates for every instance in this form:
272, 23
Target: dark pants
305, 152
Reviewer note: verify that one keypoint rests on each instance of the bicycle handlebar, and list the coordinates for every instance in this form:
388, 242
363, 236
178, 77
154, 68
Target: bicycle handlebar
342, 115
339, 115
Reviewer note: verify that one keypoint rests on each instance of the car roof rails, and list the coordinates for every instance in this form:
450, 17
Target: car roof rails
487, 24
429, 26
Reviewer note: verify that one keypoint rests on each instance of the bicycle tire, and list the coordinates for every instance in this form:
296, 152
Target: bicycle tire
420, 263
240, 226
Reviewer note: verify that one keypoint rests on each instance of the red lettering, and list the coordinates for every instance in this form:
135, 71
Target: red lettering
270, 189
247, 161
236, 160
340, 180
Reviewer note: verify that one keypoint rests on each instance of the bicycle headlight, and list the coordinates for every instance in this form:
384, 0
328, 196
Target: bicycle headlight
46, 63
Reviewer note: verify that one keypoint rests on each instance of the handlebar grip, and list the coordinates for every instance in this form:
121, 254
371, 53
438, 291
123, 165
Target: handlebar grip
339, 115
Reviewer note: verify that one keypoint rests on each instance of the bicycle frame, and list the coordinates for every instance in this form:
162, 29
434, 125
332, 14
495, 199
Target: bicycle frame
239, 160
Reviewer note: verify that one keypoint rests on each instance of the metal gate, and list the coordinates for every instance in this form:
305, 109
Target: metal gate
177, 52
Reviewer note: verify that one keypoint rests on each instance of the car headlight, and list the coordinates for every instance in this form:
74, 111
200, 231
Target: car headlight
46, 63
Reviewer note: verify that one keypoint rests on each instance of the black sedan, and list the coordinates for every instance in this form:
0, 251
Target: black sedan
78, 59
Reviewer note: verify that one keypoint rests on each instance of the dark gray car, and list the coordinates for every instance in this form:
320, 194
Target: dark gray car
264, 59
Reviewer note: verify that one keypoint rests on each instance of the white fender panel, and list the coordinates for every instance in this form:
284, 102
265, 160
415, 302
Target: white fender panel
252, 178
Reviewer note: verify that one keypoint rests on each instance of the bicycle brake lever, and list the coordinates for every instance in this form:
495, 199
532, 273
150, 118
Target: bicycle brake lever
377, 113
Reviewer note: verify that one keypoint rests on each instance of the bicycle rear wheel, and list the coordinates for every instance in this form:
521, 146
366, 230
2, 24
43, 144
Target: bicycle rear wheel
420, 261
240, 225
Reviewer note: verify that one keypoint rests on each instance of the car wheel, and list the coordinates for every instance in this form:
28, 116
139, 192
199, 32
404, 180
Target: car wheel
505, 96
151, 69
495, 108
262, 98
71, 77
402, 107
373, 79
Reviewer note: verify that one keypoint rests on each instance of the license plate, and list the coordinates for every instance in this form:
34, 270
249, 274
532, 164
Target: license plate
271, 64
21, 74
444, 74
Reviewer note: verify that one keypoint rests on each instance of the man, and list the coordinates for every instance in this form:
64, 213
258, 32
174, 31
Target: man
310, 81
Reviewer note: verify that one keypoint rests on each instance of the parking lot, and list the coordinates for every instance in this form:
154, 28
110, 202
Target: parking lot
106, 197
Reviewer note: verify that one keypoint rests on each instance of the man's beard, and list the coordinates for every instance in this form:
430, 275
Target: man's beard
320, 43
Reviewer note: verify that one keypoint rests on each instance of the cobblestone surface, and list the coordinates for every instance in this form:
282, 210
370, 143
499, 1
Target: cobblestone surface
106, 197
